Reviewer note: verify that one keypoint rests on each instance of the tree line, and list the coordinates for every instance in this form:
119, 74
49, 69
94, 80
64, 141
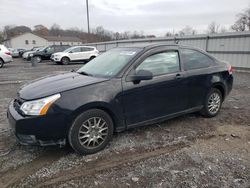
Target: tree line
99, 34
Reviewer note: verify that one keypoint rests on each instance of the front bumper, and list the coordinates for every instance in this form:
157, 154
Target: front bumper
38, 130
55, 59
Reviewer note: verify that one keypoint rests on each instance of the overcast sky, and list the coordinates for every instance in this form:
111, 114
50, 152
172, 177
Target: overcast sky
151, 16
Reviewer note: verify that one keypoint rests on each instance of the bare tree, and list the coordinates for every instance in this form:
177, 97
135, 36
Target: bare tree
188, 30
1, 37
55, 30
11, 31
213, 28
169, 34
41, 30
243, 21
223, 29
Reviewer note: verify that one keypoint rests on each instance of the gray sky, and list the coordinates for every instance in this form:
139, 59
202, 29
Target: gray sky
151, 16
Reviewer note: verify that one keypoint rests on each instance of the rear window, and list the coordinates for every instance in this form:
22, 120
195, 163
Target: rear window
193, 59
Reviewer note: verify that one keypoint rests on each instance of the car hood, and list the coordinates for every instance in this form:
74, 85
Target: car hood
54, 84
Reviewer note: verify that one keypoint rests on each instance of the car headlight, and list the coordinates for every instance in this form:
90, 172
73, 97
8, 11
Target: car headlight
40, 106
31, 55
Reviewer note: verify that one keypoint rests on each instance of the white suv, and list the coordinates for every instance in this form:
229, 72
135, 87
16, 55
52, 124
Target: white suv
5, 55
75, 53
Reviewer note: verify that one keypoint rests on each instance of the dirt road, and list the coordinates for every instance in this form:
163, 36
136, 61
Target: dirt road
189, 151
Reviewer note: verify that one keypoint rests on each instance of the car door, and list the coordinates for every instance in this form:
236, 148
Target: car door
75, 54
165, 94
48, 52
86, 52
196, 67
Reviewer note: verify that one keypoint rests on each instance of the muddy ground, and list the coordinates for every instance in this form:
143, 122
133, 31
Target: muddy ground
188, 151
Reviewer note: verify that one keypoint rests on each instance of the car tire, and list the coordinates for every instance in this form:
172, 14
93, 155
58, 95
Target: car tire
65, 60
37, 59
1, 63
92, 57
91, 131
212, 104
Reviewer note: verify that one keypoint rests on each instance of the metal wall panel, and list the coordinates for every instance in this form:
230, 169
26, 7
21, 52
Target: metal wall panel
231, 47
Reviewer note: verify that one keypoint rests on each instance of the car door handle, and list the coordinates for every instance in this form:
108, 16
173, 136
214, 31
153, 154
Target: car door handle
179, 76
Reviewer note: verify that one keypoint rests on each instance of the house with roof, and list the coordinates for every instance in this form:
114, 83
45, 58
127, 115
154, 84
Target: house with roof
30, 40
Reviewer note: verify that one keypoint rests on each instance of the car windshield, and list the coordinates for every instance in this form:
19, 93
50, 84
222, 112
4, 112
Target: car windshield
109, 63
40, 49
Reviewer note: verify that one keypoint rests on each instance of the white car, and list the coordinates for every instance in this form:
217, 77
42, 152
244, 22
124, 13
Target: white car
5, 55
75, 53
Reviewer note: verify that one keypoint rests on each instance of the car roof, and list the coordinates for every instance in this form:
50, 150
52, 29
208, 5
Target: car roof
155, 45
83, 46
162, 44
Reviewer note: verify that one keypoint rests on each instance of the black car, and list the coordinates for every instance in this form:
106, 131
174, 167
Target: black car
46, 53
120, 89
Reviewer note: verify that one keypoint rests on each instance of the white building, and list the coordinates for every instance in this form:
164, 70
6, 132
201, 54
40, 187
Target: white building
30, 40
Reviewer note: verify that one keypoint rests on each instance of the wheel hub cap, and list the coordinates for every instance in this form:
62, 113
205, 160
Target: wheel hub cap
214, 103
93, 132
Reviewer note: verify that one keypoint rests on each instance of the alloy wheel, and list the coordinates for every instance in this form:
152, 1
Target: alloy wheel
93, 132
214, 103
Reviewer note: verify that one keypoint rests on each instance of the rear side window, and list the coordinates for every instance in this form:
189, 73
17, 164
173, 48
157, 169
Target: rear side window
86, 49
193, 59
161, 63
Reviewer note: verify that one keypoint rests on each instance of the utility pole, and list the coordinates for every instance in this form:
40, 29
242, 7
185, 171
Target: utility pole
87, 5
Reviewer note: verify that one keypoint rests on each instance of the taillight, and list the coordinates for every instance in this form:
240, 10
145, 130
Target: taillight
230, 69
7, 53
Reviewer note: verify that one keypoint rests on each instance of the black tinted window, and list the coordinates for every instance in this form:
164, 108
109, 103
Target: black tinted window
193, 59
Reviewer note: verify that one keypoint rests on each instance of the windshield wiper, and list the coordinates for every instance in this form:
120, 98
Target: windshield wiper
84, 73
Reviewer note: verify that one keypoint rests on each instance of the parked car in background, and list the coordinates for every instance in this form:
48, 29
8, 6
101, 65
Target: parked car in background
120, 89
45, 53
26, 54
5, 55
16, 53
75, 53
32, 49
30, 54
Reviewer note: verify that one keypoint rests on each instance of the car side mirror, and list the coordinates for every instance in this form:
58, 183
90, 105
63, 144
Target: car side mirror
139, 76
45, 51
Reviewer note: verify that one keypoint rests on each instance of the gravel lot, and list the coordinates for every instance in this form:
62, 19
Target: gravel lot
189, 151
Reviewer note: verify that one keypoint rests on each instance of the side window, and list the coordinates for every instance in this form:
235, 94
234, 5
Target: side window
50, 49
193, 59
76, 50
86, 49
161, 63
